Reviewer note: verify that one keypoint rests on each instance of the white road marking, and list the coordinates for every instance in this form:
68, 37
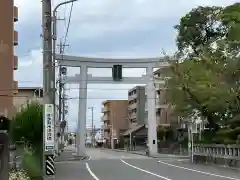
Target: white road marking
194, 170
143, 170
91, 173
172, 160
68, 162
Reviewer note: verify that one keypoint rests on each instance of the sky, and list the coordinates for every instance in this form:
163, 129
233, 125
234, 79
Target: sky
101, 28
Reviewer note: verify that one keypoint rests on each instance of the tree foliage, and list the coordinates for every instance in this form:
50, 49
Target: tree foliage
205, 74
27, 125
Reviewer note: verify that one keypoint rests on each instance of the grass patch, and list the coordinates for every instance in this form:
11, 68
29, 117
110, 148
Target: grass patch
32, 164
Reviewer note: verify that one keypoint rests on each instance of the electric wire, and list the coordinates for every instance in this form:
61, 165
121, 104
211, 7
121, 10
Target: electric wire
68, 25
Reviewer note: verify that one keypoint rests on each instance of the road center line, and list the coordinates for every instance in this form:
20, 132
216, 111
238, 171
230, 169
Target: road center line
91, 173
194, 170
143, 170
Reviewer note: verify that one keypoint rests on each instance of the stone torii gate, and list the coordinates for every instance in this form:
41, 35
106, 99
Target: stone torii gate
84, 78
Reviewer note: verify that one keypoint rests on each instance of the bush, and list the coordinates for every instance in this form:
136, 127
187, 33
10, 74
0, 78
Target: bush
32, 165
27, 125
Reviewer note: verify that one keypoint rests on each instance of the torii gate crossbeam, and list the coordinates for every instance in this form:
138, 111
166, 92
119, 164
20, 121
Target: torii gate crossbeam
83, 79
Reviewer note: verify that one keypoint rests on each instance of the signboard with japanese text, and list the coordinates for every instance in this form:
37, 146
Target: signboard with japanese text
49, 127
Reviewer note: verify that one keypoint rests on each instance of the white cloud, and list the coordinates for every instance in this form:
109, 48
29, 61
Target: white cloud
98, 17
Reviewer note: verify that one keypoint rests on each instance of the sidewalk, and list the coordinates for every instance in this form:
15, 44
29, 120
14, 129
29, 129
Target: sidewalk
69, 154
154, 156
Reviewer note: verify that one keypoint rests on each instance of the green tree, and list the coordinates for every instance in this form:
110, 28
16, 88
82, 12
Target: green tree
198, 28
204, 26
192, 87
27, 125
207, 78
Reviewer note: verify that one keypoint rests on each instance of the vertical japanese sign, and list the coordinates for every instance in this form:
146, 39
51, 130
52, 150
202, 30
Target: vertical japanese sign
49, 127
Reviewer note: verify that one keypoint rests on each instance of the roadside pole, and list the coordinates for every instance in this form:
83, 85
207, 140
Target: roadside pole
48, 167
54, 40
92, 133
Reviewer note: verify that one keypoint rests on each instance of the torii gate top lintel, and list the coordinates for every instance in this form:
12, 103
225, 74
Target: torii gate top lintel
75, 61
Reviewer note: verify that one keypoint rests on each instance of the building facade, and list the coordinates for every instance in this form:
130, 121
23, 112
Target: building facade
26, 95
136, 106
115, 120
8, 62
163, 110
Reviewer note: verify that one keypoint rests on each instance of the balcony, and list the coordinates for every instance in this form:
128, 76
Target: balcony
104, 118
105, 109
15, 14
132, 115
15, 38
158, 105
132, 106
107, 135
15, 87
132, 96
106, 127
15, 62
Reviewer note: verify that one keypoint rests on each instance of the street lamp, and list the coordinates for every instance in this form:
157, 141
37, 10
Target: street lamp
55, 26
54, 38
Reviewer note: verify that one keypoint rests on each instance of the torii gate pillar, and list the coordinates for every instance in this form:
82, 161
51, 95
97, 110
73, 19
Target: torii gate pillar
82, 114
152, 124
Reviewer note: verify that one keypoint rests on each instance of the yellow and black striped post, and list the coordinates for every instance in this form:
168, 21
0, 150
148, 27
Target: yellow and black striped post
50, 167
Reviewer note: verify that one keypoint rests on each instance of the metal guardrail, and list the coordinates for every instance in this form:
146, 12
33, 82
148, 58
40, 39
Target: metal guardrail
227, 155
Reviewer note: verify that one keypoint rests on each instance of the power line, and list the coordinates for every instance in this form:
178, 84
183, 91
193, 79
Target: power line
68, 25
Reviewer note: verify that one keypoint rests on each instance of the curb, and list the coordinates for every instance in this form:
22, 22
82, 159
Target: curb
143, 154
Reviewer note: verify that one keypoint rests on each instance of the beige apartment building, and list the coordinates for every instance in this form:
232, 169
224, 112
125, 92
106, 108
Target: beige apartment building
26, 95
163, 110
8, 62
115, 121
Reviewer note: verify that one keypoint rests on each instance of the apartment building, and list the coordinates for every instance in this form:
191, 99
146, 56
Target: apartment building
136, 106
163, 110
115, 121
8, 62
26, 95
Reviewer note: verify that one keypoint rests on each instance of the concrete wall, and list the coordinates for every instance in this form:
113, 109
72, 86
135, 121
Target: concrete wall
25, 96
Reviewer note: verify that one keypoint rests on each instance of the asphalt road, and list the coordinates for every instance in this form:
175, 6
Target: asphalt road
111, 165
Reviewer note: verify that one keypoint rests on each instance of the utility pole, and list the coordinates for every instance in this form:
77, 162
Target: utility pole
63, 111
48, 167
54, 40
91, 108
62, 72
